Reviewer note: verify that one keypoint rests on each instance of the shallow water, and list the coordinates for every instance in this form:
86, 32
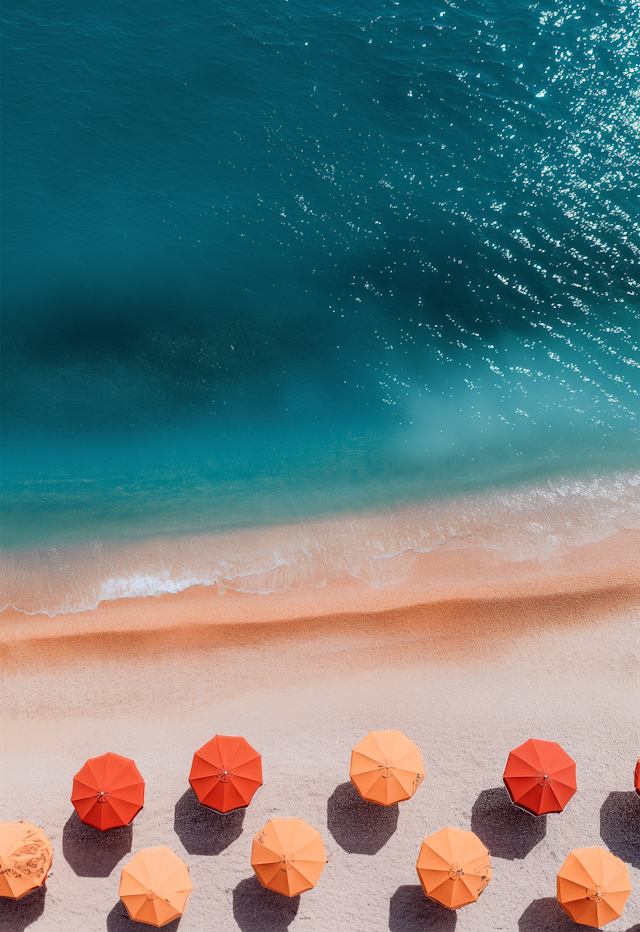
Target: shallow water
262, 267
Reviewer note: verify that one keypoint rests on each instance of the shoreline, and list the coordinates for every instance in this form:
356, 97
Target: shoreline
475, 546
441, 583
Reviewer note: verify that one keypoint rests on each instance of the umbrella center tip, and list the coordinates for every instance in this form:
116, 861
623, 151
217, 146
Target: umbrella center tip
287, 861
456, 872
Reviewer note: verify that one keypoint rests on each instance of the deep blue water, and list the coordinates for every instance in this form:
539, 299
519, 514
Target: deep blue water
262, 264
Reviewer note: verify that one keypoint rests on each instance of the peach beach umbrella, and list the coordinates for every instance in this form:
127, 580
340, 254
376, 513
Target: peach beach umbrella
225, 773
636, 780
386, 767
593, 886
454, 867
540, 777
154, 886
25, 858
108, 792
288, 856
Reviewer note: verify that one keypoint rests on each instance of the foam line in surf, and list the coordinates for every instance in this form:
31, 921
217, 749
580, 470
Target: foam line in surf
379, 548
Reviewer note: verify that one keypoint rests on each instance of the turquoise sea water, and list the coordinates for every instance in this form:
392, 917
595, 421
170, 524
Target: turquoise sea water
263, 266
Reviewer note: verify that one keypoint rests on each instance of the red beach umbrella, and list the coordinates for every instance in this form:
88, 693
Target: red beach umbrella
108, 792
540, 777
225, 773
637, 778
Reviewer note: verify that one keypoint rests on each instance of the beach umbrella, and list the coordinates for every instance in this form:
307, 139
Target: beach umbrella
637, 778
540, 777
593, 886
288, 856
454, 867
225, 773
386, 767
108, 792
154, 886
25, 858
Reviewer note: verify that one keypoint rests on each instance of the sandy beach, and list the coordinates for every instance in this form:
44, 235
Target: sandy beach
467, 673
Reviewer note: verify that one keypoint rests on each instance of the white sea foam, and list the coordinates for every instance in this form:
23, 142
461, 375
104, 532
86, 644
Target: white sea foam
379, 547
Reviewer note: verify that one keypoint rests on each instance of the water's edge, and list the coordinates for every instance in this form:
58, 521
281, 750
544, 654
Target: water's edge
537, 522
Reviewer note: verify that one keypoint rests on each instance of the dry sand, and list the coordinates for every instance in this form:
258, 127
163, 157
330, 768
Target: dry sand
552, 654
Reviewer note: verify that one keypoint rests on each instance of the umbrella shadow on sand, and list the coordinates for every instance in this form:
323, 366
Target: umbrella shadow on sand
546, 915
359, 827
257, 909
16, 915
508, 832
620, 826
90, 852
202, 830
410, 910
118, 921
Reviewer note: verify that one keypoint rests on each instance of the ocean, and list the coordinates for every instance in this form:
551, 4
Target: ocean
291, 292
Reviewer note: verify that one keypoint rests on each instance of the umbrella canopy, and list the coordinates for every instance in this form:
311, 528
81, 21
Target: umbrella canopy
225, 773
25, 858
108, 792
540, 777
288, 856
454, 867
154, 886
593, 886
637, 778
386, 767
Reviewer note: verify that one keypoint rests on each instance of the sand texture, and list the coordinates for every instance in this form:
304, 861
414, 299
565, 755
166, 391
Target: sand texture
467, 680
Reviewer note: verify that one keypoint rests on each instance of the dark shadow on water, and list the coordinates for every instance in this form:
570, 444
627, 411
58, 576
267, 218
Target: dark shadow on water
202, 830
546, 915
508, 832
411, 911
256, 909
16, 915
92, 853
620, 826
359, 827
118, 921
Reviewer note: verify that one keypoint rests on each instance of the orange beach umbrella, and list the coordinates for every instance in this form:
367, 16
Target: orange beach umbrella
108, 792
225, 773
386, 767
637, 778
540, 777
454, 867
288, 856
25, 858
593, 886
154, 886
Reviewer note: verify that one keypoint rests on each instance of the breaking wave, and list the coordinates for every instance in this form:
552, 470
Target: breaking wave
534, 523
